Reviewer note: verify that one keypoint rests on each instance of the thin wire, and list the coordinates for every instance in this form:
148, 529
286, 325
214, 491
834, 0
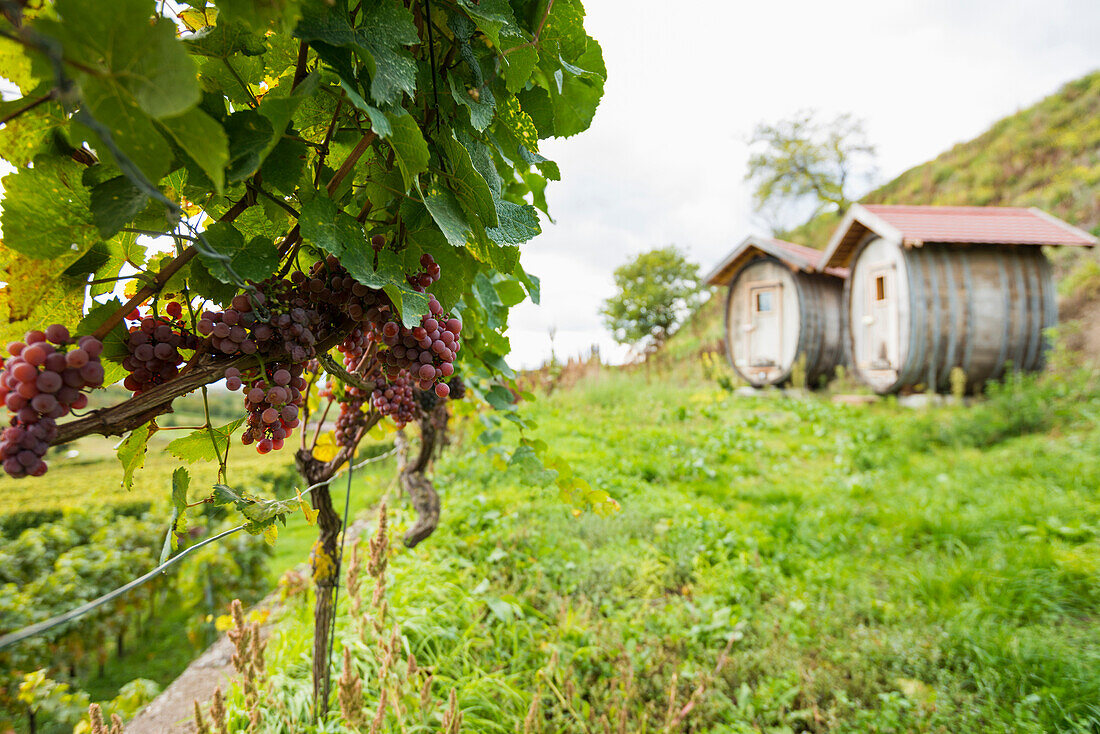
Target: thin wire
38, 628
336, 594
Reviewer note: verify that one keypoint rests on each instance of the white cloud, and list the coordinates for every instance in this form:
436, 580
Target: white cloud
664, 159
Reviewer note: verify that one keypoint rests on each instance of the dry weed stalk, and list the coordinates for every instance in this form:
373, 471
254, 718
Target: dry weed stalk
218, 712
426, 695
350, 692
531, 721
351, 581
98, 727
200, 721
380, 714
376, 567
95, 716
452, 718
248, 660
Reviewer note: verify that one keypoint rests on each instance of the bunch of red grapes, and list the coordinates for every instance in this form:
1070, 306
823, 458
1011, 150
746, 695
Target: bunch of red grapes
273, 397
423, 355
42, 382
154, 344
289, 327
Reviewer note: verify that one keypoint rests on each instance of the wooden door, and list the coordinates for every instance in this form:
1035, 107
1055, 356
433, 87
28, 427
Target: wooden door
765, 335
881, 322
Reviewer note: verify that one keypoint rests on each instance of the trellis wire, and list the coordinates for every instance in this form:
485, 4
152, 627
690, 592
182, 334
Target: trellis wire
14, 638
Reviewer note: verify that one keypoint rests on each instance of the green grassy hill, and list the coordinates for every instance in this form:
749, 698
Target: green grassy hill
1047, 155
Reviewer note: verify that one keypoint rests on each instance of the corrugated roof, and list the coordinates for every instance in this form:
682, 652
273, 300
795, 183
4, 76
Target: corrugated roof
796, 257
914, 226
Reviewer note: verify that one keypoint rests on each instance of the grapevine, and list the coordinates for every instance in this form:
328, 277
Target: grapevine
230, 190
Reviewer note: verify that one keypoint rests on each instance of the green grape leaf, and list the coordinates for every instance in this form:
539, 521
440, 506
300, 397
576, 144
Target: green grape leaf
518, 63
103, 260
249, 136
531, 470
16, 63
411, 304
491, 16
447, 213
500, 397
25, 136
200, 445
35, 293
282, 168
468, 184
564, 30
114, 203
409, 146
181, 479
203, 283
46, 213
482, 159
379, 123
510, 292
530, 282
131, 129
326, 227
518, 123
261, 514
539, 107
131, 453
279, 107
203, 140
481, 109
276, 15
114, 343
254, 259
136, 59
502, 258
487, 297
225, 39
384, 29
518, 223
576, 100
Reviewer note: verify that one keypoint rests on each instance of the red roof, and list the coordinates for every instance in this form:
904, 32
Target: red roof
979, 224
808, 258
795, 257
914, 226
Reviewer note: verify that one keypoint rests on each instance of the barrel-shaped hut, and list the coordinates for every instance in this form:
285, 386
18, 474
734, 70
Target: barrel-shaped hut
932, 288
781, 312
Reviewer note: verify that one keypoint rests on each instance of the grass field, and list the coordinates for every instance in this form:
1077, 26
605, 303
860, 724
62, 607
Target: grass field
872, 568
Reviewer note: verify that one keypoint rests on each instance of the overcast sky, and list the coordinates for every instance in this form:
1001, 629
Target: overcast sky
687, 81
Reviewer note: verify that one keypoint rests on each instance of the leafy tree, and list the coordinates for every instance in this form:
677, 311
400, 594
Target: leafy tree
326, 176
803, 161
656, 290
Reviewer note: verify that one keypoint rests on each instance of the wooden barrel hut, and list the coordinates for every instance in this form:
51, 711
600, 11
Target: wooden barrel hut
932, 288
781, 311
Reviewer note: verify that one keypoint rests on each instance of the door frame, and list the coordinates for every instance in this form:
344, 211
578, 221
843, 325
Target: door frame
753, 287
887, 307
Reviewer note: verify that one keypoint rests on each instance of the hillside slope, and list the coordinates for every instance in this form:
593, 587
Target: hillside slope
1047, 156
